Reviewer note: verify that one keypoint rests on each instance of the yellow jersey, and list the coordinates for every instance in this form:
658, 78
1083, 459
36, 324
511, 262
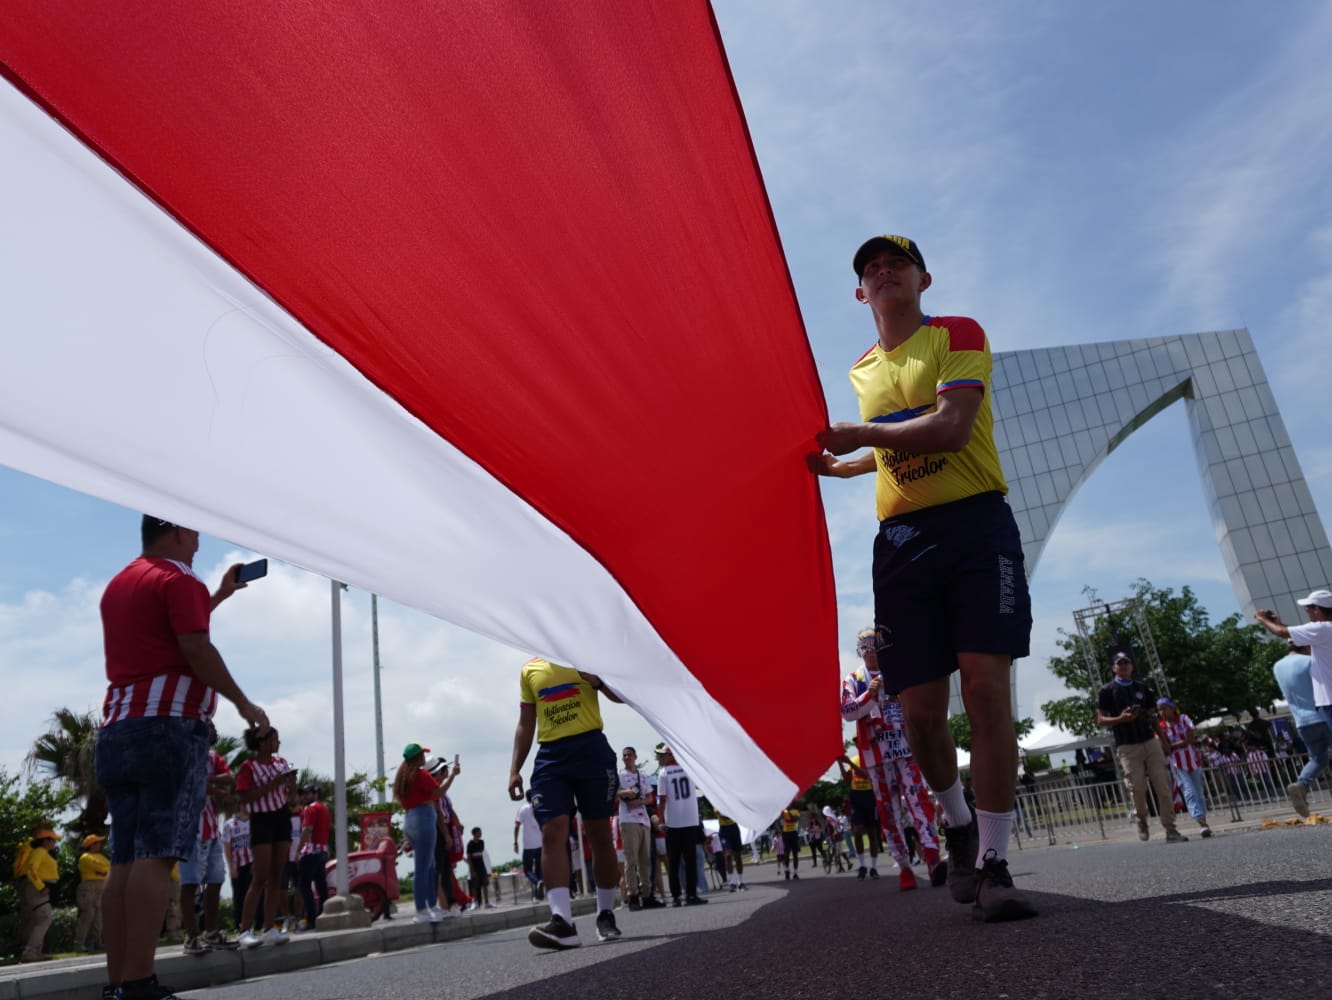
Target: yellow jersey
945, 353
859, 784
566, 705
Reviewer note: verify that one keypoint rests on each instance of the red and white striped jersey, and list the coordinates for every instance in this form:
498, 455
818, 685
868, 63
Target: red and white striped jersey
1185, 758
255, 774
147, 606
236, 835
1258, 761
175, 694
208, 820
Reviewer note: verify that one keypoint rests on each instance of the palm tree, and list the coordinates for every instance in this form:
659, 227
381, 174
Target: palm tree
65, 753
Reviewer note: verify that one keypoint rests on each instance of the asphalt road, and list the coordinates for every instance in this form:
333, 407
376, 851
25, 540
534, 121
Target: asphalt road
1238, 916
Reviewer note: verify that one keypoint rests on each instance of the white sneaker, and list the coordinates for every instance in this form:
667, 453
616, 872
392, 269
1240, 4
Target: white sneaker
275, 936
249, 939
436, 914
490, 906
424, 917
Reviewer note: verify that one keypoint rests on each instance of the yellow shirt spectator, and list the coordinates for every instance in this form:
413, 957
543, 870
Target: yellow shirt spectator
40, 868
94, 866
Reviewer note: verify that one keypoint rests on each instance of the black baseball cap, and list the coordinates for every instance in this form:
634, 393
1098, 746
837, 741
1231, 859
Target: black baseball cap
876, 244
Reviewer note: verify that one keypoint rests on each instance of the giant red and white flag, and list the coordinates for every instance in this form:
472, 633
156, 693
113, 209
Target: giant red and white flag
480, 306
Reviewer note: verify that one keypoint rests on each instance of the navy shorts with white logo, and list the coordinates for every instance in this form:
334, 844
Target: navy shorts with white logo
948, 580
577, 770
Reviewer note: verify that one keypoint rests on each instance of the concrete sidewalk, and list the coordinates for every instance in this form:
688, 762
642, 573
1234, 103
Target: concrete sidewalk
82, 978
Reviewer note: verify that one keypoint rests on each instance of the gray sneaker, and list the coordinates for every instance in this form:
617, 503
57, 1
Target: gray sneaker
962, 843
1175, 837
1299, 797
606, 927
996, 899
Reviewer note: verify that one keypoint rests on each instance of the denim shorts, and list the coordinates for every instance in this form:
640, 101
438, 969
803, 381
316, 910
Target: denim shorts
154, 772
206, 862
577, 769
948, 580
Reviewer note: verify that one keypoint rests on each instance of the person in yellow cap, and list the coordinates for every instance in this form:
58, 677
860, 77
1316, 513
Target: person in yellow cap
94, 867
37, 877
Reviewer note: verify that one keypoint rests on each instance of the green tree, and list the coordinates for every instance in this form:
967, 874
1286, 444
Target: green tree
23, 810
826, 793
65, 753
1211, 670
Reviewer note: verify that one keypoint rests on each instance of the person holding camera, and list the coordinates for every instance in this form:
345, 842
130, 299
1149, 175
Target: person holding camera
1127, 707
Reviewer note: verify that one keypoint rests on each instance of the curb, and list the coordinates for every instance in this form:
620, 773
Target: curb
80, 978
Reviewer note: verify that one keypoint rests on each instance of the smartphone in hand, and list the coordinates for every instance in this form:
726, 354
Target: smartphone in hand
252, 571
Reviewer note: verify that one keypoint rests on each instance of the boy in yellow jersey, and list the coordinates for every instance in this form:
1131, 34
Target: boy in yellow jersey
790, 831
574, 766
864, 814
950, 591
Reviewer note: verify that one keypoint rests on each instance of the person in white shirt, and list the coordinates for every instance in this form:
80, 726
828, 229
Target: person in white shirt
636, 832
526, 824
677, 798
1317, 635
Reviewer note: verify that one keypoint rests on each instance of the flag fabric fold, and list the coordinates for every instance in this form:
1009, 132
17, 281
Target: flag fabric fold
481, 307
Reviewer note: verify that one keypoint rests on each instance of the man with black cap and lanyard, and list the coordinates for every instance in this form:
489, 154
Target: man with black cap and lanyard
950, 591
1127, 707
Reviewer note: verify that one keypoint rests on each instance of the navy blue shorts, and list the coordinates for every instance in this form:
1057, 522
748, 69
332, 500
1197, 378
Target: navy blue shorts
864, 809
730, 838
154, 772
577, 770
948, 580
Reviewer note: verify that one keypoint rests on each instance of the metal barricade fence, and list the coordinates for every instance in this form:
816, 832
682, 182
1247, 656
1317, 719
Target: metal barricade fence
1068, 809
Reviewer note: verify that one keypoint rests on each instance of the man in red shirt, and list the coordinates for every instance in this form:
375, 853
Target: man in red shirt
163, 678
313, 861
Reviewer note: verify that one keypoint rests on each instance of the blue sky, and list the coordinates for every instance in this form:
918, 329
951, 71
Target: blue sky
1072, 173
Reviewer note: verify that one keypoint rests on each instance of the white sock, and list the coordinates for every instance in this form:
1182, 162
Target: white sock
954, 804
994, 830
560, 904
874, 862
606, 898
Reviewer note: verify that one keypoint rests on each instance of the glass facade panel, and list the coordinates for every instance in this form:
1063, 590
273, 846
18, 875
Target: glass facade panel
1062, 406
